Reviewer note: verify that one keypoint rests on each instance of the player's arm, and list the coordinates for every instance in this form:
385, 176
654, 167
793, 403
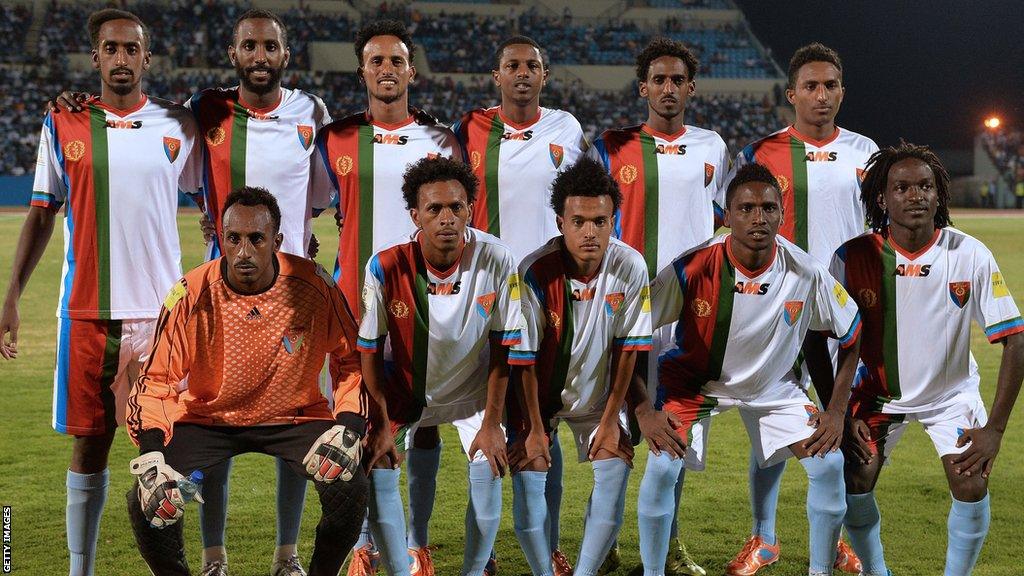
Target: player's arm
35, 235
833, 391
523, 358
373, 329
490, 440
994, 308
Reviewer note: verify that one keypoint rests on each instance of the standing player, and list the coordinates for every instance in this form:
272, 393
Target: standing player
911, 268
365, 155
249, 331
448, 299
516, 150
259, 134
745, 303
588, 309
118, 167
671, 176
819, 167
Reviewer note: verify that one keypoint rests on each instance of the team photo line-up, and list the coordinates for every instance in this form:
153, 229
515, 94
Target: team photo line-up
505, 276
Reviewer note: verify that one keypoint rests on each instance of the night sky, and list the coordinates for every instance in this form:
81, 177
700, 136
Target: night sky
927, 71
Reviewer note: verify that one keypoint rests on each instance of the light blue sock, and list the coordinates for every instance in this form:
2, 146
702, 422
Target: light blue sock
968, 526
529, 514
291, 498
864, 527
553, 491
604, 514
365, 538
654, 509
677, 501
764, 497
213, 512
422, 471
826, 507
387, 520
86, 495
483, 515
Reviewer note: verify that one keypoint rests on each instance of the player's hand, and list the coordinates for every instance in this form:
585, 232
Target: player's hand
609, 439
981, 454
531, 447
339, 219
659, 429
10, 320
159, 497
857, 442
491, 441
209, 230
380, 444
67, 100
828, 433
314, 246
335, 454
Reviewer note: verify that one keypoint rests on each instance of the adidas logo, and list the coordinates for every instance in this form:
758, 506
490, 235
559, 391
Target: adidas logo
253, 314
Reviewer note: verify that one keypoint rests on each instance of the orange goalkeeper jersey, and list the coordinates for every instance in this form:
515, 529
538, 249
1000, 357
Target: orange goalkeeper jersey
249, 359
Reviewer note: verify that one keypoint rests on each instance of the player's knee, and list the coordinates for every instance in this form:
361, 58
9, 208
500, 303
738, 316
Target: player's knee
426, 438
344, 502
968, 488
860, 479
89, 453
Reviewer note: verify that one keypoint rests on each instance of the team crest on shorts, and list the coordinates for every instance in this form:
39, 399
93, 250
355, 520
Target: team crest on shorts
792, 311
399, 309
484, 305
343, 165
709, 173
474, 159
701, 307
868, 298
613, 303
305, 135
627, 174
783, 182
215, 136
557, 154
74, 150
172, 146
960, 293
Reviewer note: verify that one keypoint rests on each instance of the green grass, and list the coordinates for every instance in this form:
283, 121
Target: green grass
715, 515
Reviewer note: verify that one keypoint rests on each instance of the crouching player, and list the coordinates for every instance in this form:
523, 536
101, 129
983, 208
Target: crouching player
588, 313
911, 268
448, 297
250, 331
745, 303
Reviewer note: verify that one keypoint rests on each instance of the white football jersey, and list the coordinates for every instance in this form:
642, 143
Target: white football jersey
516, 165
440, 322
820, 182
574, 323
267, 147
119, 172
739, 331
917, 311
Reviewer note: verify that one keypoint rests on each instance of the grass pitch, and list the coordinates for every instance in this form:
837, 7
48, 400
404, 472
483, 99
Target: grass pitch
715, 515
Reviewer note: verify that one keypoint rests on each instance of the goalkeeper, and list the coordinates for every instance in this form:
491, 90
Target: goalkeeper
239, 345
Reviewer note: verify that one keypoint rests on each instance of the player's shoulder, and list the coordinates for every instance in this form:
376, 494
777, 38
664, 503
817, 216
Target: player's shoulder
780, 136
423, 118
542, 258
855, 140
217, 96
346, 124
559, 116
299, 97
869, 240
624, 257
165, 108
615, 137
195, 282
704, 136
799, 260
956, 240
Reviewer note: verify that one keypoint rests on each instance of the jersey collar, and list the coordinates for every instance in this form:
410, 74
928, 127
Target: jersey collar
119, 112
751, 274
663, 136
523, 126
808, 140
390, 127
913, 255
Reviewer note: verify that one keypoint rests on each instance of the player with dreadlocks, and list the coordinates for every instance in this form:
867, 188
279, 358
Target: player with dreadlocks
914, 272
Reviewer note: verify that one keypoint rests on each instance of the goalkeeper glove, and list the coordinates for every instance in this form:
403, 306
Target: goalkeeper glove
336, 453
160, 496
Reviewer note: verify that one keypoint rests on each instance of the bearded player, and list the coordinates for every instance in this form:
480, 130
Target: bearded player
121, 252
914, 266
819, 167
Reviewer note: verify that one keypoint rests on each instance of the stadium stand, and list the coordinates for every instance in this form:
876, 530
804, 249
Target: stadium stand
1006, 149
190, 40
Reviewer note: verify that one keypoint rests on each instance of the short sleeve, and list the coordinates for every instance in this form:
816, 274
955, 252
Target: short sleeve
994, 308
374, 325
507, 319
49, 189
834, 310
190, 181
719, 181
525, 352
632, 315
668, 291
